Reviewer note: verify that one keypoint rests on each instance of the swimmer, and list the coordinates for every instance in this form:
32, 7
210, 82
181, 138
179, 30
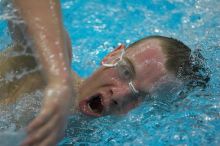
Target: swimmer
125, 78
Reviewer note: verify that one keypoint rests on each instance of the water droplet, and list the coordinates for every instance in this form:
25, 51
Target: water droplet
156, 30
128, 41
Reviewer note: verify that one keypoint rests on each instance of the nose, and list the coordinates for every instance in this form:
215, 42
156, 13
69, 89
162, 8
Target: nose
120, 93
121, 101
117, 93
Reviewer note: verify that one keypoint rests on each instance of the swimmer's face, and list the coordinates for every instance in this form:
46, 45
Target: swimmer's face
123, 80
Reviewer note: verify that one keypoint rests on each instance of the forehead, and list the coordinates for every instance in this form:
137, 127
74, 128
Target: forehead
148, 61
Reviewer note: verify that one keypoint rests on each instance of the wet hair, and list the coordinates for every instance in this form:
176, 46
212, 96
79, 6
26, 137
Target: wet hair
186, 65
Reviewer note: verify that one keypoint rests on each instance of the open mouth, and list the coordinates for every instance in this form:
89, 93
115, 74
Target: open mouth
95, 104
92, 106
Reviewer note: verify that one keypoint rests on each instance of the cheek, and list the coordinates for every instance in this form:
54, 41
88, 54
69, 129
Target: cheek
129, 106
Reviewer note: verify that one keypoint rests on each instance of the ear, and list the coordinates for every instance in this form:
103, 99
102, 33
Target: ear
114, 52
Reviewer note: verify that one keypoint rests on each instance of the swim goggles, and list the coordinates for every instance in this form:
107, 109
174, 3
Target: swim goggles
116, 59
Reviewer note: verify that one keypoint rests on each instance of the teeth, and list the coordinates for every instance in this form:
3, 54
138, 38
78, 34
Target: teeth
89, 107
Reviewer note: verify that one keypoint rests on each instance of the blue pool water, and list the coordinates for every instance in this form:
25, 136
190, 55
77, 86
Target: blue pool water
96, 26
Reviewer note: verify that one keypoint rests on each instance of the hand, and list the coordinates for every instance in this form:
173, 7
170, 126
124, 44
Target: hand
49, 126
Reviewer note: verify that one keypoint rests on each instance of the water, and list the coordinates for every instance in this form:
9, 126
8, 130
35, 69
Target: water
11, 138
96, 26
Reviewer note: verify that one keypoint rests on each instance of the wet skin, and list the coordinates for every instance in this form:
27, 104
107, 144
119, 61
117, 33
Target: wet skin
105, 93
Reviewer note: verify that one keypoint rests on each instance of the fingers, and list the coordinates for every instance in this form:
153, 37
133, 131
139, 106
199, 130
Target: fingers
40, 133
48, 131
49, 126
49, 141
41, 120
53, 138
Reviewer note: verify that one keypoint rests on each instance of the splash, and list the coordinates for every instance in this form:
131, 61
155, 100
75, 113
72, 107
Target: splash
97, 27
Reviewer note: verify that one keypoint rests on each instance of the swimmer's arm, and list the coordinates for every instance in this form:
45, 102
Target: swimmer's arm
76, 78
44, 25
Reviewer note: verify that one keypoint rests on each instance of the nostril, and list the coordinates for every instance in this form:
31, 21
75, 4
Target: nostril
111, 91
114, 102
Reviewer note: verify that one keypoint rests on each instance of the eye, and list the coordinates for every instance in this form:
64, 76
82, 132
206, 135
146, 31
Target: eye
125, 72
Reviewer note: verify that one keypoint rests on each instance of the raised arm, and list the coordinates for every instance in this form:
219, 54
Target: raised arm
44, 25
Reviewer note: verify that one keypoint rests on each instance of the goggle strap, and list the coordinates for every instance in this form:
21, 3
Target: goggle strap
134, 91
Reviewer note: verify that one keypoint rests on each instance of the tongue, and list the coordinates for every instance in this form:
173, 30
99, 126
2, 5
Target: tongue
95, 104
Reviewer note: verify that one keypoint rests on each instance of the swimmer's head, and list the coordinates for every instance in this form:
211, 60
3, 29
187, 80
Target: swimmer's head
128, 76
